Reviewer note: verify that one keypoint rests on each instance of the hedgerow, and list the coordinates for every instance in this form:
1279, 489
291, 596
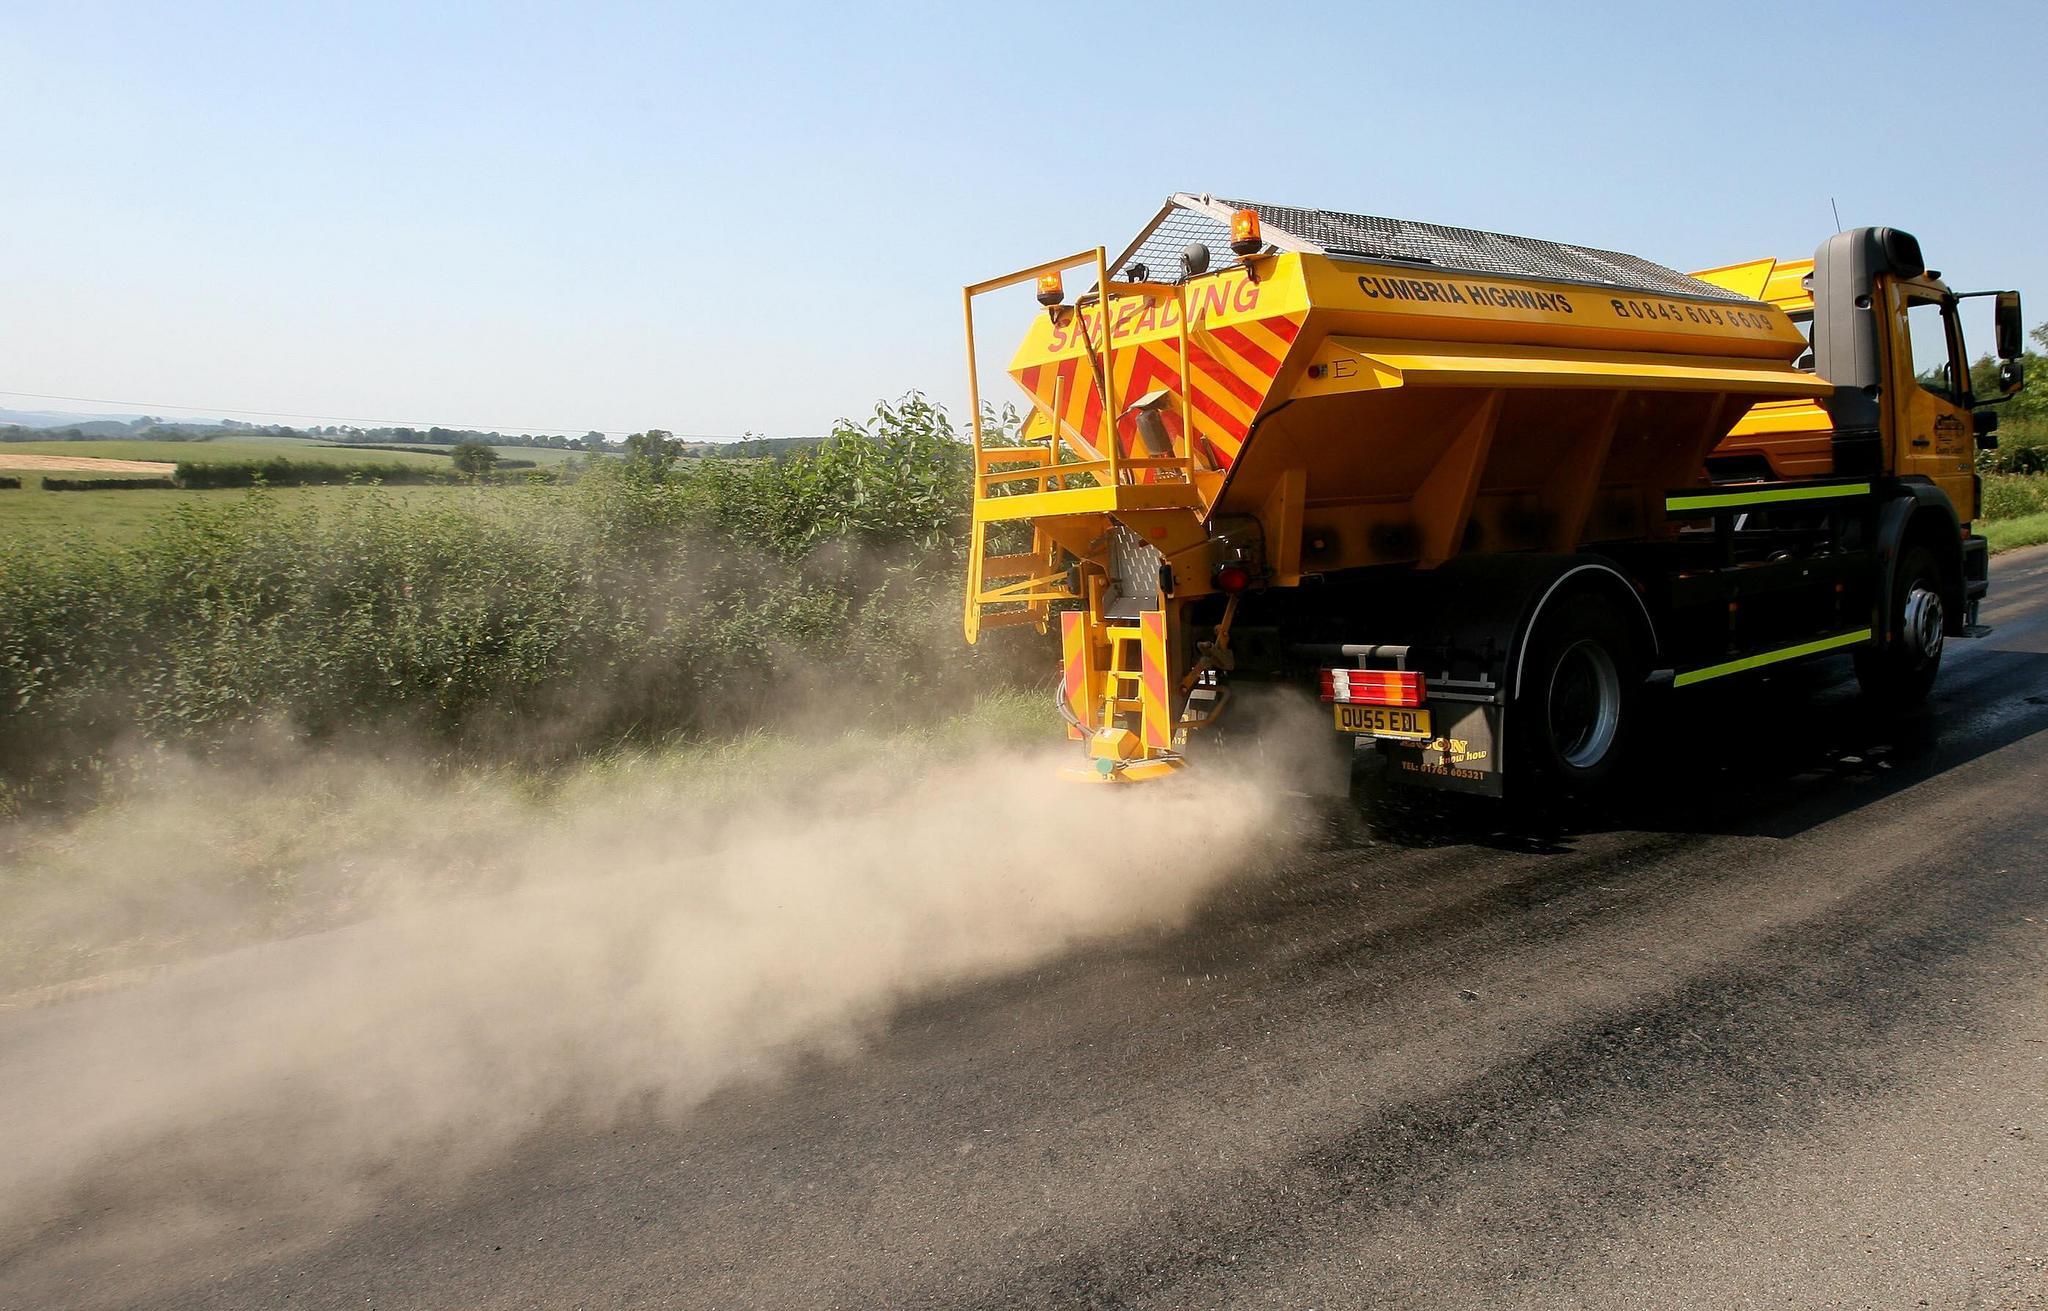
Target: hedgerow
540, 619
107, 484
283, 472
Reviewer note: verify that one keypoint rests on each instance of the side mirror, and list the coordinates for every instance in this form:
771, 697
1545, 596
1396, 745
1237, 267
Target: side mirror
1985, 422
2010, 328
2012, 376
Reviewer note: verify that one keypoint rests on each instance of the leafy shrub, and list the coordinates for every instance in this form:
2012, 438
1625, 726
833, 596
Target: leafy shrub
473, 459
2022, 448
2009, 496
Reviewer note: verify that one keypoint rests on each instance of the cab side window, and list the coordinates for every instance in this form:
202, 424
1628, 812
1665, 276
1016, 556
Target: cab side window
1934, 359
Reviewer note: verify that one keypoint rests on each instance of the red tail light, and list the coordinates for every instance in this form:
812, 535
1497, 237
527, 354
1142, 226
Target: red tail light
1373, 687
1231, 578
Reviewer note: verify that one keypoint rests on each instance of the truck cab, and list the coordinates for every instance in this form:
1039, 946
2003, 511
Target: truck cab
1892, 337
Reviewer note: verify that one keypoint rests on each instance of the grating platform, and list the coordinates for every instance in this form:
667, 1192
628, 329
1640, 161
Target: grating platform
1204, 219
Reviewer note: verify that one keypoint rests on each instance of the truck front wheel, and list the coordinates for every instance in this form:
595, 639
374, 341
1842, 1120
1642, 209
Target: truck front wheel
1576, 711
1900, 672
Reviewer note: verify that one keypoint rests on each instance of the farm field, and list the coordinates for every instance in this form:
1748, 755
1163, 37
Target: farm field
122, 458
223, 451
30, 514
99, 466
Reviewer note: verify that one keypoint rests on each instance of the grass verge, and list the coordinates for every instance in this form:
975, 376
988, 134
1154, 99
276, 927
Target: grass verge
2011, 534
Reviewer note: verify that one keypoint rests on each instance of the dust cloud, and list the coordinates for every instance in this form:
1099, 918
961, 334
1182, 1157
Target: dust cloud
626, 949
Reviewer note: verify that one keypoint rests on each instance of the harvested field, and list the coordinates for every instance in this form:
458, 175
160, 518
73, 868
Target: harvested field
40, 463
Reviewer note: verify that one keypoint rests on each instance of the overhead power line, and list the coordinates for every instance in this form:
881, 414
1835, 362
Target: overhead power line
154, 406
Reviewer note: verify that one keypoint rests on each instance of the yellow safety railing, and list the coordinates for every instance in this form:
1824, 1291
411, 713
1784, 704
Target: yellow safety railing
1103, 361
1110, 466
1045, 467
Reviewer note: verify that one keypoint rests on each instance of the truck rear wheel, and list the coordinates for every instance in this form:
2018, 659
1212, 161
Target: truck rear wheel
1901, 671
1576, 711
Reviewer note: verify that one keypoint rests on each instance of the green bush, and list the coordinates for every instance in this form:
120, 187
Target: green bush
2008, 496
822, 588
10, 483
2022, 448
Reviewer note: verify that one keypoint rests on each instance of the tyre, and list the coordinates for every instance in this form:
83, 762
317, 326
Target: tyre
1899, 672
1577, 711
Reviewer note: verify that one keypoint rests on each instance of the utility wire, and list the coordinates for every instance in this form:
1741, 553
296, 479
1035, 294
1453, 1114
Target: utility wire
152, 407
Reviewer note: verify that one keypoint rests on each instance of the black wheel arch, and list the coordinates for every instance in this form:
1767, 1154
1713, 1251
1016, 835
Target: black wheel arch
1921, 515
1500, 600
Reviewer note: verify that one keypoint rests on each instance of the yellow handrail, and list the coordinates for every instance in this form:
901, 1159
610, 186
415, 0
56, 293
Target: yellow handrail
1104, 359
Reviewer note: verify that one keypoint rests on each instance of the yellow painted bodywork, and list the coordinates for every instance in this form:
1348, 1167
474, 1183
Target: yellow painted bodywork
1782, 282
1363, 413
1364, 364
1794, 436
1927, 434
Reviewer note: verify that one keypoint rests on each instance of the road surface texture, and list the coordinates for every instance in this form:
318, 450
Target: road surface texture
1772, 1033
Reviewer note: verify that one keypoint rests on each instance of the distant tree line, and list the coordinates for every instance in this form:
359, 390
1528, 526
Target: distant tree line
152, 428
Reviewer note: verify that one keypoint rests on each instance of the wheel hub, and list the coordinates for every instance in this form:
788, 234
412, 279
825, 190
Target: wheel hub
1922, 632
1585, 704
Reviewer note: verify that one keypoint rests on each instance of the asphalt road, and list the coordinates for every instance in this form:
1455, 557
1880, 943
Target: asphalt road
1775, 1033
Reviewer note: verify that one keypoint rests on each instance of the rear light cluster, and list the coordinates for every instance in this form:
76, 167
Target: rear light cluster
1231, 578
1373, 687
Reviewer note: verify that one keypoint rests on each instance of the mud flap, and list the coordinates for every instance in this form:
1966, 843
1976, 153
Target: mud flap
1464, 756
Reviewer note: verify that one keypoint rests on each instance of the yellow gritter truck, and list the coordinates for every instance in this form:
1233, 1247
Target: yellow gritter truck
1479, 492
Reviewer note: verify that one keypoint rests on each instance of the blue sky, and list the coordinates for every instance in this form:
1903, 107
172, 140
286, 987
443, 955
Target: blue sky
756, 217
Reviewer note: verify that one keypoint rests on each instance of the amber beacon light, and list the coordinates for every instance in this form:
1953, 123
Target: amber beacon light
1051, 291
1246, 237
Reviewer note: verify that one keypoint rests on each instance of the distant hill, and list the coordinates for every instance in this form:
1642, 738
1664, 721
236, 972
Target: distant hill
94, 430
57, 419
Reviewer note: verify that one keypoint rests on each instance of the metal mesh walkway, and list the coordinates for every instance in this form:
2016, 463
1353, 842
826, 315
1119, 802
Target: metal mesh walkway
1401, 241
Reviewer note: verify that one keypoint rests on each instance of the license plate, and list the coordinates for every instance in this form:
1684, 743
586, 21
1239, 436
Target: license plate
1384, 721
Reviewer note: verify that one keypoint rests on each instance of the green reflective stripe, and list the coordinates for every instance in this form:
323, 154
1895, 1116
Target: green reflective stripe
1771, 657
1722, 500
